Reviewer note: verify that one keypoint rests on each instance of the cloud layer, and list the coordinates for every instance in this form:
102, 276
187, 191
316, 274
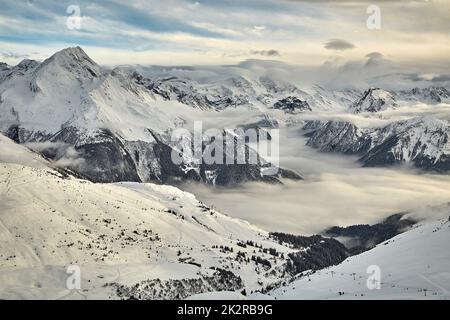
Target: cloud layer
225, 31
336, 191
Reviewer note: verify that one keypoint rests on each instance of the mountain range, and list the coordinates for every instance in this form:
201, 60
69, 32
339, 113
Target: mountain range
115, 120
146, 241
421, 141
87, 180
113, 125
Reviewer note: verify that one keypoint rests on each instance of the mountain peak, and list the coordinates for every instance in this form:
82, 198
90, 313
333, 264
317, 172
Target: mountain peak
374, 100
74, 59
26, 64
72, 51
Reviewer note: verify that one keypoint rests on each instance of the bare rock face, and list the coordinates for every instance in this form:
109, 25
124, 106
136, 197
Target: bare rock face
292, 105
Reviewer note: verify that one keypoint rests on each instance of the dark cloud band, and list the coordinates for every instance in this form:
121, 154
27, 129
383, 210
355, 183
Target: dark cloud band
266, 53
338, 44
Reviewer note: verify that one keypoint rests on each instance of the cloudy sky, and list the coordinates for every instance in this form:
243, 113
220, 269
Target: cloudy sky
174, 32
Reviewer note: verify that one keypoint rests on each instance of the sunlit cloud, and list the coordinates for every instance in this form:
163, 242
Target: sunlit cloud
224, 32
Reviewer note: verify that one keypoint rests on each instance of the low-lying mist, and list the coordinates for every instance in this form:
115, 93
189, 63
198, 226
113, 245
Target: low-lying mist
336, 191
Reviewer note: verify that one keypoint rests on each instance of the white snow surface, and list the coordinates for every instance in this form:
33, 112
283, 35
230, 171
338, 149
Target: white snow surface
129, 232
69, 89
413, 265
124, 233
11, 152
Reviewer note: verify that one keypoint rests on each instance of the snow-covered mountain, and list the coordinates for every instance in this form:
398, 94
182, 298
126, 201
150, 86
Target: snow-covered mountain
421, 141
292, 105
374, 100
325, 99
426, 95
334, 136
233, 90
118, 122
69, 122
70, 90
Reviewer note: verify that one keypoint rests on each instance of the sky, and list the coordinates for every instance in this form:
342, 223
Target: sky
217, 32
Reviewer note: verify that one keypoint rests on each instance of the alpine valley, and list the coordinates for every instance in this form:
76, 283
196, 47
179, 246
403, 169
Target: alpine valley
87, 180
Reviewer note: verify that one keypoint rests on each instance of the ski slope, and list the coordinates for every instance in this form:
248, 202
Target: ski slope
118, 234
413, 265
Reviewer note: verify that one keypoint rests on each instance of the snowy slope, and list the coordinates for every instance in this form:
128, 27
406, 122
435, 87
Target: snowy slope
323, 99
157, 242
119, 235
413, 265
11, 152
424, 141
374, 100
222, 88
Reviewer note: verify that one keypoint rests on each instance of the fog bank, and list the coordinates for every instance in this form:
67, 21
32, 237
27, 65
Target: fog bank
336, 191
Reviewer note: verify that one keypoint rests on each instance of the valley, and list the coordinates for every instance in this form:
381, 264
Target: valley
87, 180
